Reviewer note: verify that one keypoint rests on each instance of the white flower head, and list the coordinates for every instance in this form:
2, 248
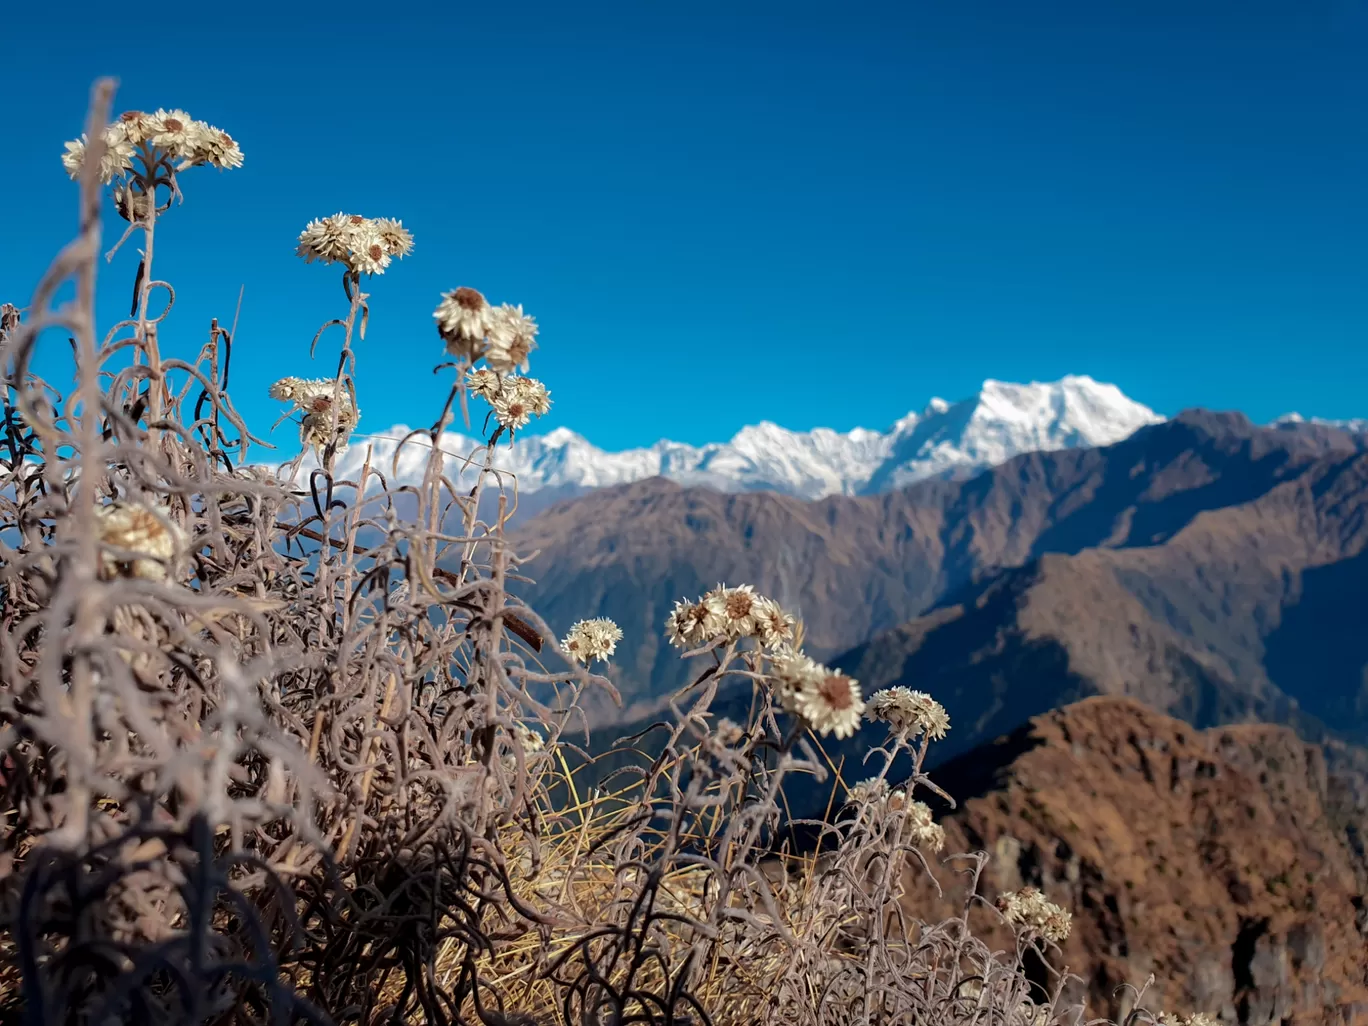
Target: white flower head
137, 126
735, 609
1030, 909
327, 239
924, 831
589, 640
484, 382
831, 704
531, 392
117, 157
867, 791
214, 146
909, 713
154, 539
173, 131
691, 624
368, 253
397, 240
463, 319
511, 410
794, 672
314, 397
773, 626
512, 337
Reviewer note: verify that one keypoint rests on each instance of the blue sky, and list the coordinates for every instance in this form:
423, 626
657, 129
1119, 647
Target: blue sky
727, 212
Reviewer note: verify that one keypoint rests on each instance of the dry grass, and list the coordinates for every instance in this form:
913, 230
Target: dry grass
256, 770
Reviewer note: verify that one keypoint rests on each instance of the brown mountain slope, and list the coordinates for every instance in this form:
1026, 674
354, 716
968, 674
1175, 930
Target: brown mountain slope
1251, 612
1221, 861
856, 566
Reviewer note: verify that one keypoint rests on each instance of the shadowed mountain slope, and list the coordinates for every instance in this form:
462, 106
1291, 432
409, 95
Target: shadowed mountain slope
1227, 862
857, 567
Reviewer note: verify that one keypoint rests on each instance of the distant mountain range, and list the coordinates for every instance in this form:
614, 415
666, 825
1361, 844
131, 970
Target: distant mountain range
1203, 564
944, 440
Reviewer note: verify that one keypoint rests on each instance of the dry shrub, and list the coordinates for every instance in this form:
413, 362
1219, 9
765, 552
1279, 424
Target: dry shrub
273, 751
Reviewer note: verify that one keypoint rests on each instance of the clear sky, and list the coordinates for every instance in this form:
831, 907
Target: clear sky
727, 212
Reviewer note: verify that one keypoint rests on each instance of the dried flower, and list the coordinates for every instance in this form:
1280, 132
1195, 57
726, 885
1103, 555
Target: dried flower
314, 397
1029, 908
909, 712
397, 240
368, 254
831, 705
137, 126
364, 245
484, 383
734, 609
131, 204
512, 337
117, 158
530, 740
172, 131
867, 791
511, 410
150, 534
729, 733
1195, 1019
532, 392
215, 147
691, 624
924, 831
592, 639
794, 672
318, 428
463, 319
327, 239
773, 626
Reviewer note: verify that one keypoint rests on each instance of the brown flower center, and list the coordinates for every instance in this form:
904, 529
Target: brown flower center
469, 299
357, 219
376, 251
835, 689
173, 125
739, 605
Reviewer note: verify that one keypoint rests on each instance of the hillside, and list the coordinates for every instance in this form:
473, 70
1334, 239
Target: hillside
1254, 611
857, 567
1226, 861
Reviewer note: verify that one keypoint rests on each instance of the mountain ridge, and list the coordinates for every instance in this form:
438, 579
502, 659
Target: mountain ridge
1000, 421
857, 566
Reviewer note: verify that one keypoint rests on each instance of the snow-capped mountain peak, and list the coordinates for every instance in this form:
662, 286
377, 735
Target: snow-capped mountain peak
1356, 424
946, 439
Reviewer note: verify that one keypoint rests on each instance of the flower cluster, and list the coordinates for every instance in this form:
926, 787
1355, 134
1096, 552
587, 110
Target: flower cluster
314, 398
528, 740
924, 832
876, 795
729, 614
172, 136
592, 639
1195, 1019
826, 699
909, 712
150, 534
515, 400
1029, 908
503, 336
366, 245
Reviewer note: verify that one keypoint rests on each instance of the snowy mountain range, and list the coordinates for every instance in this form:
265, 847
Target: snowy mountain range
945, 439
